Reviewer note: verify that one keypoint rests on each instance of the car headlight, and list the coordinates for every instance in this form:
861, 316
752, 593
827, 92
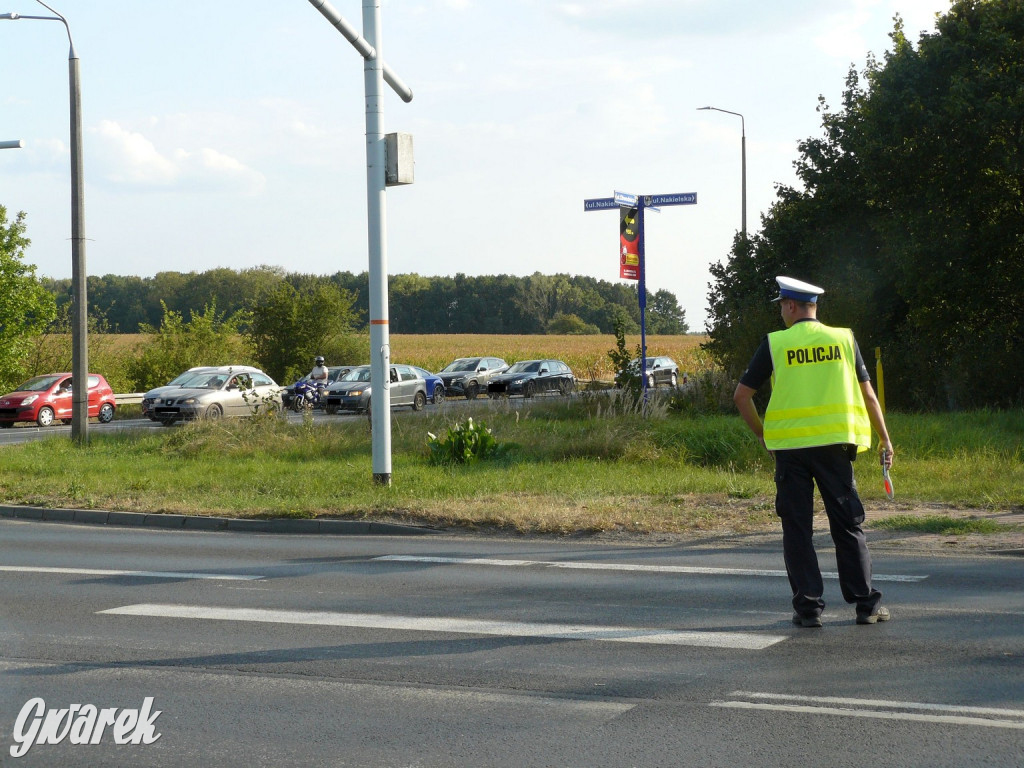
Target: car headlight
30, 399
190, 401
356, 392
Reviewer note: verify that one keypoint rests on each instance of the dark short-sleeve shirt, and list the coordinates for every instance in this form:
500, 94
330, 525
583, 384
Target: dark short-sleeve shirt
760, 368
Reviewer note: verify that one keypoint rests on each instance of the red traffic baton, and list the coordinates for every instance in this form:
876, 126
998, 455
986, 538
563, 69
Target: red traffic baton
886, 480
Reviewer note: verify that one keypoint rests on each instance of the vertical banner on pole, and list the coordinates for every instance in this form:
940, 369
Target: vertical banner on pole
629, 244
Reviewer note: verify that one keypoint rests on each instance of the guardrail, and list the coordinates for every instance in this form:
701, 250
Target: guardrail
129, 399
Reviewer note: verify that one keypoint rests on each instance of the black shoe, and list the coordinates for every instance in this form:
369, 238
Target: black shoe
882, 614
807, 621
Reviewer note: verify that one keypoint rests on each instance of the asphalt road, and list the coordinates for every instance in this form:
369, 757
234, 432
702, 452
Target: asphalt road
26, 432
276, 650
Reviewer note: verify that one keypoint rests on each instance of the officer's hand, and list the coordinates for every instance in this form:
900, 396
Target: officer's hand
886, 454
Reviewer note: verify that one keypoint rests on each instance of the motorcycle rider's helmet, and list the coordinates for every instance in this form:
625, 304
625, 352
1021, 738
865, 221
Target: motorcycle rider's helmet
319, 360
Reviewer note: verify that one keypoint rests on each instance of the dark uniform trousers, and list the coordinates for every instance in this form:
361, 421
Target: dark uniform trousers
796, 471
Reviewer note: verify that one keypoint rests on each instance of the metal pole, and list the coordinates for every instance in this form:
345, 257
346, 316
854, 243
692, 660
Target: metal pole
376, 211
641, 252
16, 144
743, 151
79, 300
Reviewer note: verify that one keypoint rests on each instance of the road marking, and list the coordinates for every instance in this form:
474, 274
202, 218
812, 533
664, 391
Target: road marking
990, 717
655, 636
582, 566
144, 574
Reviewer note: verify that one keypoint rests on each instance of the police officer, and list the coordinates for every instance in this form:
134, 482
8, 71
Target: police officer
820, 415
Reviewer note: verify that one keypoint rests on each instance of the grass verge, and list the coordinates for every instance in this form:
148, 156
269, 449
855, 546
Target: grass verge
577, 465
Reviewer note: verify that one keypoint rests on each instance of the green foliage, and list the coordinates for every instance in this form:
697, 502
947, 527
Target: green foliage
290, 326
465, 443
571, 325
26, 307
205, 339
911, 217
627, 373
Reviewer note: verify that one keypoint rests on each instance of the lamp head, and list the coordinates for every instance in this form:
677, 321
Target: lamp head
10, 16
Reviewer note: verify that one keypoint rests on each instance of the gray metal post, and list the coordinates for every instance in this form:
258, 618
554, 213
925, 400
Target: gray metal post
16, 144
375, 73
380, 343
79, 299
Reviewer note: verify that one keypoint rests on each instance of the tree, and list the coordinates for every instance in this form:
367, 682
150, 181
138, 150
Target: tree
289, 327
571, 325
26, 307
911, 217
665, 315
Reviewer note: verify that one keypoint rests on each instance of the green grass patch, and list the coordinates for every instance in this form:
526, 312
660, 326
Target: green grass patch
564, 465
949, 526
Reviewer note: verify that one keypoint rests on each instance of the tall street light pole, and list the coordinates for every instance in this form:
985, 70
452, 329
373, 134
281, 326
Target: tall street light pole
79, 306
743, 151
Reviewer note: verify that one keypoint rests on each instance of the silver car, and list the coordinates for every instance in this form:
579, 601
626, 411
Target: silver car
230, 390
352, 392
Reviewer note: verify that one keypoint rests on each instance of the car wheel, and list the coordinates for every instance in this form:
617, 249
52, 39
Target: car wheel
45, 416
439, 394
106, 414
675, 379
167, 422
472, 390
418, 401
528, 389
214, 413
565, 386
650, 381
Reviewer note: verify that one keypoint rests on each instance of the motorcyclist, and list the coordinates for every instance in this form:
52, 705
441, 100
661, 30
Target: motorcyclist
319, 375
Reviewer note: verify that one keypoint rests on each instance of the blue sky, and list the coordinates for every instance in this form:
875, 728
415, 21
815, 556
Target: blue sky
232, 134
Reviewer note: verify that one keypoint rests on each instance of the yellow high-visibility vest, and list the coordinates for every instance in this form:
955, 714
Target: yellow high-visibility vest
816, 398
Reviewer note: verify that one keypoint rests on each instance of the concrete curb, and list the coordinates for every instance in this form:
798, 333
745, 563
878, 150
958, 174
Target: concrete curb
199, 523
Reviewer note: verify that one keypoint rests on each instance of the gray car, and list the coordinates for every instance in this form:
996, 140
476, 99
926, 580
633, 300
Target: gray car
469, 376
238, 390
152, 395
352, 392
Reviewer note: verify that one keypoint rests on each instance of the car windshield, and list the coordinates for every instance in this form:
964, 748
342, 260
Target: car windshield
186, 377
38, 384
206, 381
462, 365
357, 374
526, 366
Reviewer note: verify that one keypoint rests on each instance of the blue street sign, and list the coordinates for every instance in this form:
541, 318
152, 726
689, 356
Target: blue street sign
599, 204
680, 198
625, 199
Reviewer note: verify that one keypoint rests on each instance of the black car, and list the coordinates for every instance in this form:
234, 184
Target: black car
658, 370
469, 376
533, 377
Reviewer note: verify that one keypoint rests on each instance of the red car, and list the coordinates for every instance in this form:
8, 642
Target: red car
45, 399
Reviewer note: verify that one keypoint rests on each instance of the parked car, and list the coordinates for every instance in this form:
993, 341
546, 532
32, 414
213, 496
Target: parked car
469, 376
227, 390
659, 370
435, 385
353, 393
151, 396
46, 399
533, 377
334, 373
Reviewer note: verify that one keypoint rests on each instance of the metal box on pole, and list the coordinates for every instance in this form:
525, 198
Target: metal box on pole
400, 164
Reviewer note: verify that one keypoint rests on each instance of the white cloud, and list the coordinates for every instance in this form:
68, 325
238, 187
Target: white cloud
129, 158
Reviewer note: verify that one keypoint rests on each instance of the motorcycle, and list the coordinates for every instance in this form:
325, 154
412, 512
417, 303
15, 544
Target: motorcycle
307, 395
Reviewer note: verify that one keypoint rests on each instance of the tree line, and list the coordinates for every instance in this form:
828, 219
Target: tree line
499, 304
911, 217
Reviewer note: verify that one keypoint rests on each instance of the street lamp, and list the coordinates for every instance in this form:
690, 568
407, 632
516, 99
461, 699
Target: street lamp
79, 315
743, 150
16, 144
